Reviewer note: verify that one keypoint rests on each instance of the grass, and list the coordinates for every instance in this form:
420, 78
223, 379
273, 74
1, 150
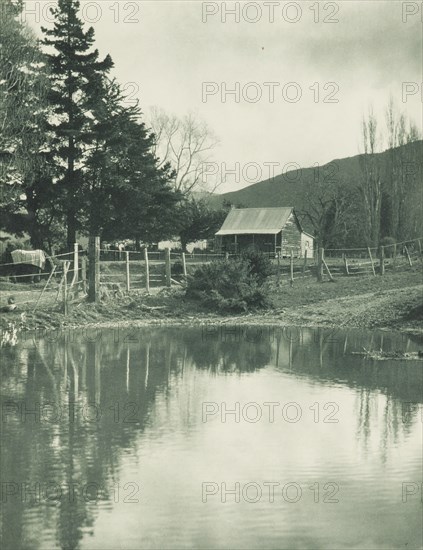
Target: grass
310, 291
394, 300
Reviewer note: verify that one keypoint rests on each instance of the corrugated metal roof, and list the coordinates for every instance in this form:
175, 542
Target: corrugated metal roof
255, 220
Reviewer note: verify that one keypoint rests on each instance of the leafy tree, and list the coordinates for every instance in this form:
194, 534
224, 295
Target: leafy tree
199, 220
25, 178
77, 91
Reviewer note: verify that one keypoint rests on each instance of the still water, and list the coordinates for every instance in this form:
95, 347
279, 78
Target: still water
227, 437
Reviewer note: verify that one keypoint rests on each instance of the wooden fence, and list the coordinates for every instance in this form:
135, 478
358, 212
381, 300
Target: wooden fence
128, 271
371, 261
100, 272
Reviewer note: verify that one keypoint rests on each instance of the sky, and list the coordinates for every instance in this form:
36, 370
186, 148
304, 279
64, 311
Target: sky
304, 73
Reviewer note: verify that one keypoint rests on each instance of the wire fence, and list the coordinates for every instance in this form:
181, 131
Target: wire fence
64, 280
31, 286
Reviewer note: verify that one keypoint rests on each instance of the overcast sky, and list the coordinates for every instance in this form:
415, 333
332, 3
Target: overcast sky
170, 49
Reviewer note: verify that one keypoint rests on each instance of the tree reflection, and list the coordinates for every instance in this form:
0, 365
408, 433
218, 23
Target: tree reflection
401, 382
106, 390
233, 352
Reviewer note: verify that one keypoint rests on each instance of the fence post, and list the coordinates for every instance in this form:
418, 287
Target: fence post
420, 249
279, 267
408, 256
45, 287
291, 268
65, 286
305, 262
94, 269
184, 265
147, 271
167, 267
320, 257
84, 273
75, 269
394, 260
382, 260
328, 270
371, 259
344, 256
128, 280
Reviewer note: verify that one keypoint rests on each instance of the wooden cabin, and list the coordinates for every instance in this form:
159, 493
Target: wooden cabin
270, 230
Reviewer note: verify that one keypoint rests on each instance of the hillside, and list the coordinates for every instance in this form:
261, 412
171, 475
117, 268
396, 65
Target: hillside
288, 189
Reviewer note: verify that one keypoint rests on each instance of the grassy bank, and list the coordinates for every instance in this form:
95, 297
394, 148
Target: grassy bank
393, 301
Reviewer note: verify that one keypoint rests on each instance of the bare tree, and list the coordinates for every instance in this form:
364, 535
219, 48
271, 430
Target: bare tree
329, 206
400, 131
370, 184
186, 143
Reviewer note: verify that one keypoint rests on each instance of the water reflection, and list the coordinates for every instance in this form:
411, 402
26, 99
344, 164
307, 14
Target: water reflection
84, 412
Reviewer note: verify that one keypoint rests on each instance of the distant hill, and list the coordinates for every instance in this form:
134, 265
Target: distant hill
288, 189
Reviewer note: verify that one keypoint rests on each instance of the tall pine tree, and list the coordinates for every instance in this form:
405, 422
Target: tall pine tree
77, 90
129, 195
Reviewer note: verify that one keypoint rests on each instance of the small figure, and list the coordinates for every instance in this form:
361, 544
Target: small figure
11, 306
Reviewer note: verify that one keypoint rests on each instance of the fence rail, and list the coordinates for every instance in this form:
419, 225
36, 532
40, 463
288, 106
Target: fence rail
76, 274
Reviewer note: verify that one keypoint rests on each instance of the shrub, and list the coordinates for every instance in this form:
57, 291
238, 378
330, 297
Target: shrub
259, 264
229, 285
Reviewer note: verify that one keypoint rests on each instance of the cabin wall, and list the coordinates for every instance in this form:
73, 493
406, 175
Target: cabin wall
264, 243
291, 237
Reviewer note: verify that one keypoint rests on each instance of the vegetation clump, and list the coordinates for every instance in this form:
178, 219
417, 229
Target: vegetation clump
259, 264
233, 285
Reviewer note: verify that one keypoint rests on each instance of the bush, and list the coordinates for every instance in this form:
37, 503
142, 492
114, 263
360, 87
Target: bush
229, 285
259, 264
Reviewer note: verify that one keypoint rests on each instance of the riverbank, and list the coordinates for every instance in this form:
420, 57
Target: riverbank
391, 302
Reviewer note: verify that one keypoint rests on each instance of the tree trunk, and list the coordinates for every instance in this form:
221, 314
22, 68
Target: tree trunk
184, 243
36, 239
35, 232
71, 214
71, 230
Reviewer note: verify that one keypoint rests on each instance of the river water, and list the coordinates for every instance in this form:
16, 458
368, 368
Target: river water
210, 437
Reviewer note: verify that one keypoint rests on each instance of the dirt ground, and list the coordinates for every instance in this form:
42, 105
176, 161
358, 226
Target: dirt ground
394, 301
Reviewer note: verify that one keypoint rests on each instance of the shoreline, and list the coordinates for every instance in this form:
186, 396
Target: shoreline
392, 304
283, 319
